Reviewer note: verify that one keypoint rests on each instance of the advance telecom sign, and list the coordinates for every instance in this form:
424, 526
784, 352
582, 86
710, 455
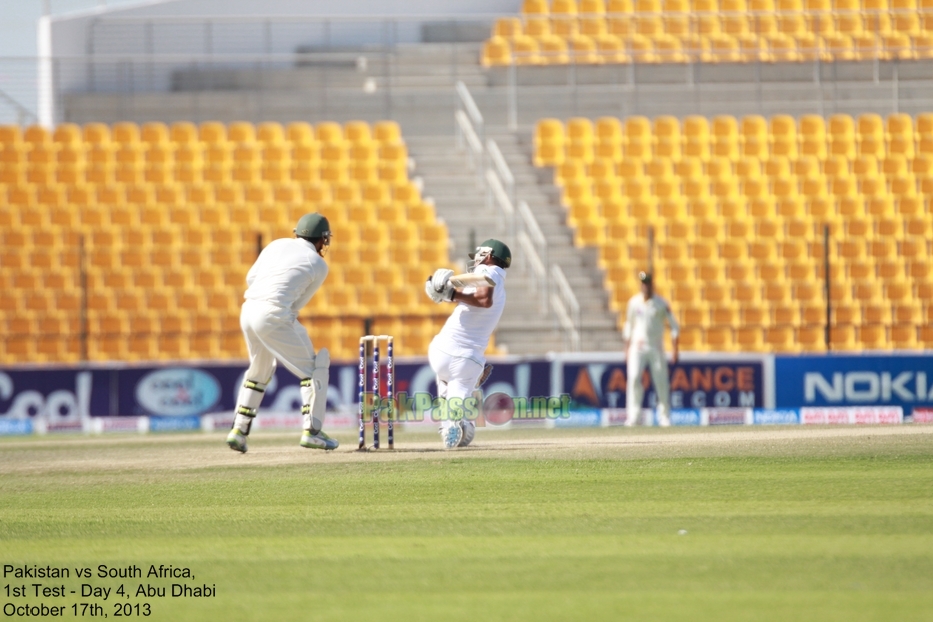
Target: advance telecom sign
840, 380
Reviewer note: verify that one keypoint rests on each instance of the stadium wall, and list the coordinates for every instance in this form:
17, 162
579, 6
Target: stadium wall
720, 389
71, 34
179, 27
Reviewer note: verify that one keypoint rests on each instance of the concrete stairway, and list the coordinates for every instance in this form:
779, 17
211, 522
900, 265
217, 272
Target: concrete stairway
528, 326
598, 330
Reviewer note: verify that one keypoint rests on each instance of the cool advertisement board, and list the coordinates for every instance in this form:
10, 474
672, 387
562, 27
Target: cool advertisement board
63, 398
837, 384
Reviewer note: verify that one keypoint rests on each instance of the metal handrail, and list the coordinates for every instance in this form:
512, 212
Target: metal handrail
539, 245
532, 260
21, 111
564, 319
531, 224
468, 114
468, 104
567, 306
501, 167
495, 192
467, 135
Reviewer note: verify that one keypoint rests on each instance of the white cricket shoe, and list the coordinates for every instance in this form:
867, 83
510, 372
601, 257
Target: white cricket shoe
469, 431
319, 441
451, 434
236, 440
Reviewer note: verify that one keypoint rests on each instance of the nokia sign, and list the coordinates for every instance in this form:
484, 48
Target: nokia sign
867, 387
905, 381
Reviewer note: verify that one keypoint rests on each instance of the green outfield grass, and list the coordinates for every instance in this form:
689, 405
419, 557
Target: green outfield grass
599, 530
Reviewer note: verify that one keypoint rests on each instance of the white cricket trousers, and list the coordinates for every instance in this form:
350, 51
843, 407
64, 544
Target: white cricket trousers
456, 375
656, 362
272, 333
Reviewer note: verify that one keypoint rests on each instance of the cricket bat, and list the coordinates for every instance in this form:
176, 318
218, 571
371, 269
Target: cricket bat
469, 279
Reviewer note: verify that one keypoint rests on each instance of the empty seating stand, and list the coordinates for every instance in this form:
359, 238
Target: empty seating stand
170, 218
678, 31
738, 209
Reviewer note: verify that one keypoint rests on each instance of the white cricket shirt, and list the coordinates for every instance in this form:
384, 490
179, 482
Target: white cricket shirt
287, 273
644, 321
466, 332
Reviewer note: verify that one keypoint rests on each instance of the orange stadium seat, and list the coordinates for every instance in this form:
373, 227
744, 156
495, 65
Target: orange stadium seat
155, 229
772, 185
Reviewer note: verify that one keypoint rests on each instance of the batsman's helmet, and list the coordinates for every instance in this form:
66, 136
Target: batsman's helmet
497, 249
311, 226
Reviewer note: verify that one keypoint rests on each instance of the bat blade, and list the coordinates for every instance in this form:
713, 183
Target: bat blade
469, 279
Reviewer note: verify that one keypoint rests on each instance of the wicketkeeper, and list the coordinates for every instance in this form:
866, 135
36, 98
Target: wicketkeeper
644, 336
457, 353
286, 275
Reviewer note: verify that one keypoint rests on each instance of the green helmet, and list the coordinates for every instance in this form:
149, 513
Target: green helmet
313, 226
493, 247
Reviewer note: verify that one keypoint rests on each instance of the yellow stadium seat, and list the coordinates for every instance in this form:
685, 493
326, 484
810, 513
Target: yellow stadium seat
611, 48
725, 137
719, 339
865, 167
906, 22
871, 126
564, 26
754, 131
329, 133
67, 134
810, 338
506, 27
749, 338
537, 27
897, 46
836, 46
873, 337
592, 7
722, 47
904, 336
386, 132
95, 134
583, 50
535, 7
300, 133
923, 41
497, 51
357, 132
721, 167
842, 332
526, 51
784, 136
553, 50
579, 129
154, 133
590, 232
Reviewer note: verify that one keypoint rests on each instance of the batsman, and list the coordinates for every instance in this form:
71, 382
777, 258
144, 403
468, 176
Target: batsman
287, 273
457, 353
